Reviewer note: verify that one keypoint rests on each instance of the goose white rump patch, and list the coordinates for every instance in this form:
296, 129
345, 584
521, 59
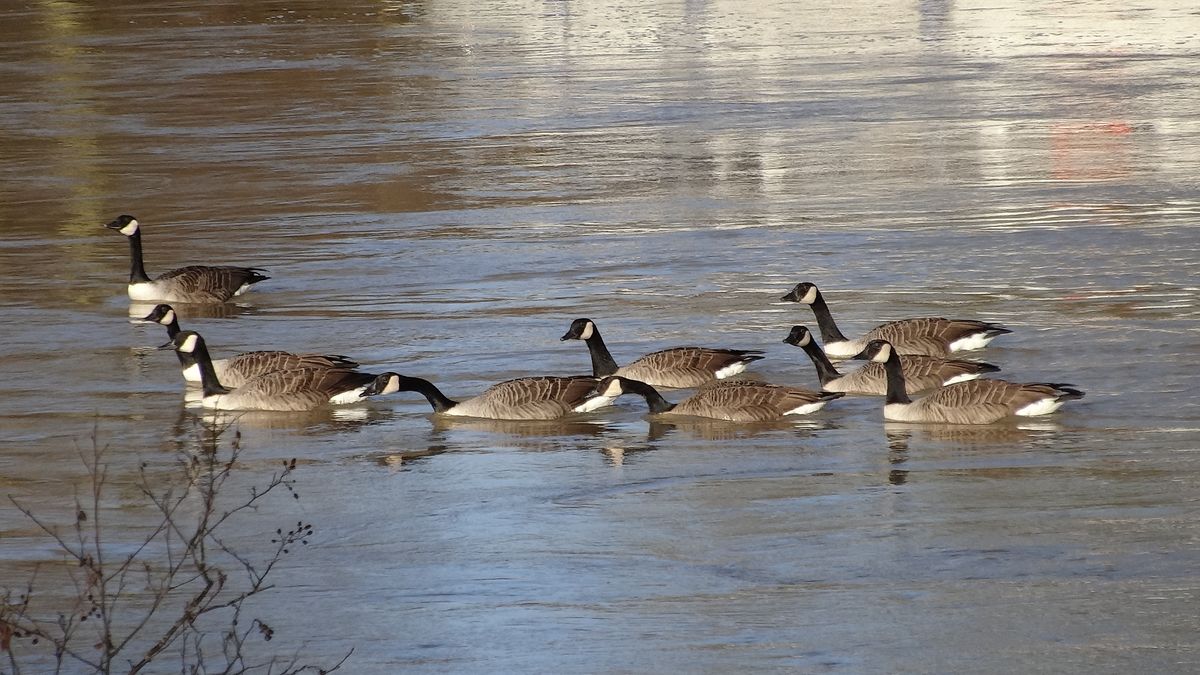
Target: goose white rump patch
353, 396
1043, 407
730, 370
807, 408
961, 378
971, 342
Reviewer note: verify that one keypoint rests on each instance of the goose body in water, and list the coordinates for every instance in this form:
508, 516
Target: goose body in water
921, 373
676, 368
280, 390
926, 336
194, 283
733, 401
237, 370
972, 402
525, 398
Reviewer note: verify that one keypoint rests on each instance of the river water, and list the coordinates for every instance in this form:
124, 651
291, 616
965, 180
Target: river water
440, 187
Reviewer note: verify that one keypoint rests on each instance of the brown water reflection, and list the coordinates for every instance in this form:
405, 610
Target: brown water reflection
439, 187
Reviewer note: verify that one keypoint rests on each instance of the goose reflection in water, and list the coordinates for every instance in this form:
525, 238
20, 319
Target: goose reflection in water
721, 430
325, 420
138, 311
544, 428
900, 434
399, 460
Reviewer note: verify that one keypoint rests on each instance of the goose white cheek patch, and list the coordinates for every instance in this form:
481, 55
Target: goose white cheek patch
885, 353
189, 344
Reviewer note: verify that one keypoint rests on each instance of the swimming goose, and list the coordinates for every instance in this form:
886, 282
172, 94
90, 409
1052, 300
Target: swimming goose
930, 336
676, 368
920, 372
279, 390
973, 402
525, 398
237, 370
194, 283
733, 401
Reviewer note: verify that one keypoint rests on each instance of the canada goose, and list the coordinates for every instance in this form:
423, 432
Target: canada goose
920, 372
237, 370
279, 390
525, 398
734, 401
973, 402
676, 368
930, 336
194, 283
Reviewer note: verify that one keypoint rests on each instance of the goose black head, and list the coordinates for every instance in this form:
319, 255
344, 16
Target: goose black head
185, 341
581, 329
611, 387
803, 292
164, 314
385, 383
126, 225
799, 336
878, 351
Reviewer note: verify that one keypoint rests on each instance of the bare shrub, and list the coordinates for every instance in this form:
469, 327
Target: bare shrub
178, 594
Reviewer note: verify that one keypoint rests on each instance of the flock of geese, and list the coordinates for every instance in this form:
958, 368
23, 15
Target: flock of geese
904, 358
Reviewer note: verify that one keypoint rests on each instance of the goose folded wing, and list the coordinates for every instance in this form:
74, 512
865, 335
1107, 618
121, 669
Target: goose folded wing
215, 282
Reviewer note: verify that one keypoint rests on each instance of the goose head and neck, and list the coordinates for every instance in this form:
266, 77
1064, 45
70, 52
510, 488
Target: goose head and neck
810, 295
389, 383
615, 385
602, 361
128, 226
190, 343
882, 351
165, 315
802, 338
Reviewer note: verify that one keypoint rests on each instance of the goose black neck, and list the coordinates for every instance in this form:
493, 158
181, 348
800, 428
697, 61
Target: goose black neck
185, 360
439, 401
208, 375
657, 403
896, 392
826, 372
829, 329
603, 364
137, 272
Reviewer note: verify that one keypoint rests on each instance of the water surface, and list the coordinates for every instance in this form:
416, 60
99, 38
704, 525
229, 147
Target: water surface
441, 187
